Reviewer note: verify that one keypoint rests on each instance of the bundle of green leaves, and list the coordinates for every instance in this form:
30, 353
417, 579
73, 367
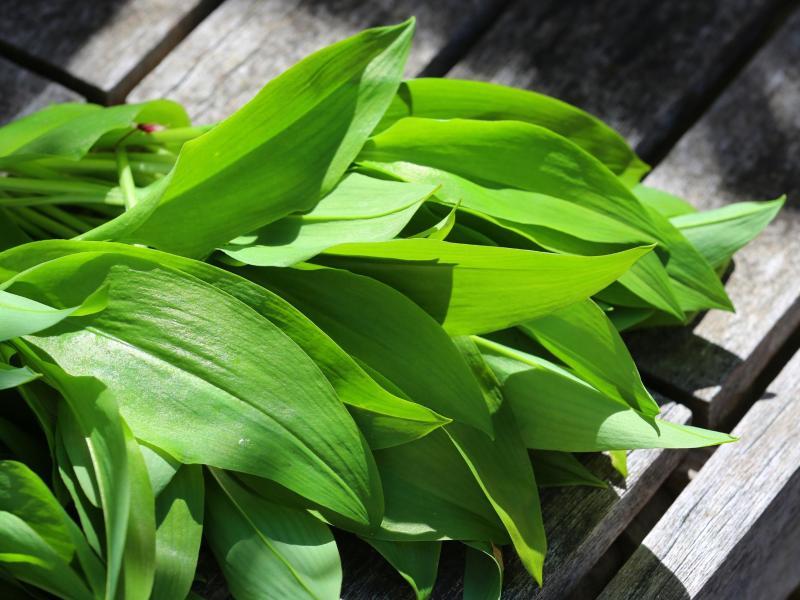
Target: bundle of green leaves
381, 306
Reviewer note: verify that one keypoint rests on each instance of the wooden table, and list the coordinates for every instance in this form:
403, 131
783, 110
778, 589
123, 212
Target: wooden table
707, 91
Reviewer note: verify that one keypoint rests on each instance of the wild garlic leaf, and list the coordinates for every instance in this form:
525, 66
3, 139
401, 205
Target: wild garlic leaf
28, 557
557, 411
11, 377
502, 467
384, 418
280, 153
179, 517
548, 222
531, 158
416, 562
483, 571
459, 99
668, 205
266, 395
442, 501
718, 234
477, 289
582, 336
21, 316
560, 469
98, 441
383, 329
359, 209
70, 130
441, 229
266, 550
25, 495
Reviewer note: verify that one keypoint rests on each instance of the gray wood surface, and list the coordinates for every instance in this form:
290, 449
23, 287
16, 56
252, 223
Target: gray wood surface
104, 44
581, 525
23, 92
734, 532
245, 43
641, 66
745, 148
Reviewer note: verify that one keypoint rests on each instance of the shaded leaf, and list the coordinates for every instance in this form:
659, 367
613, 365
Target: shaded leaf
417, 562
266, 550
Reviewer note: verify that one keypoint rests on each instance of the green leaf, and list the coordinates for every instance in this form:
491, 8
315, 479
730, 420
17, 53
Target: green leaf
18, 133
441, 229
557, 411
280, 153
384, 330
477, 289
663, 202
551, 223
21, 316
718, 234
97, 421
359, 209
508, 154
139, 561
503, 469
22, 493
161, 467
141, 340
531, 158
70, 130
417, 562
384, 418
582, 336
619, 460
26, 556
266, 550
483, 571
13, 376
179, 513
559, 469
442, 501
26, 496
452, 98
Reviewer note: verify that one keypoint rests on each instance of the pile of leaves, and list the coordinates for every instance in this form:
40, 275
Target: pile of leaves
386, 307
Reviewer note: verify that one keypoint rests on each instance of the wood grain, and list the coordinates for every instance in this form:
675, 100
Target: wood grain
734, 532
24, 92
581, 525
245, 43
105, 45
641, 66
745, 148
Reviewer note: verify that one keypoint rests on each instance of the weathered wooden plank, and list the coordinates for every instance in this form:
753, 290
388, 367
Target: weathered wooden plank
24, 92
734, 532
642, 66
104, 47
245, 43
744, 148
581, 524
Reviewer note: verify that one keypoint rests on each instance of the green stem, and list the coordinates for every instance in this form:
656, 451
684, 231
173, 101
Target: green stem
29, 228
66, 218
46, 223
50, 186
126, 183
178, 136
58, 199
